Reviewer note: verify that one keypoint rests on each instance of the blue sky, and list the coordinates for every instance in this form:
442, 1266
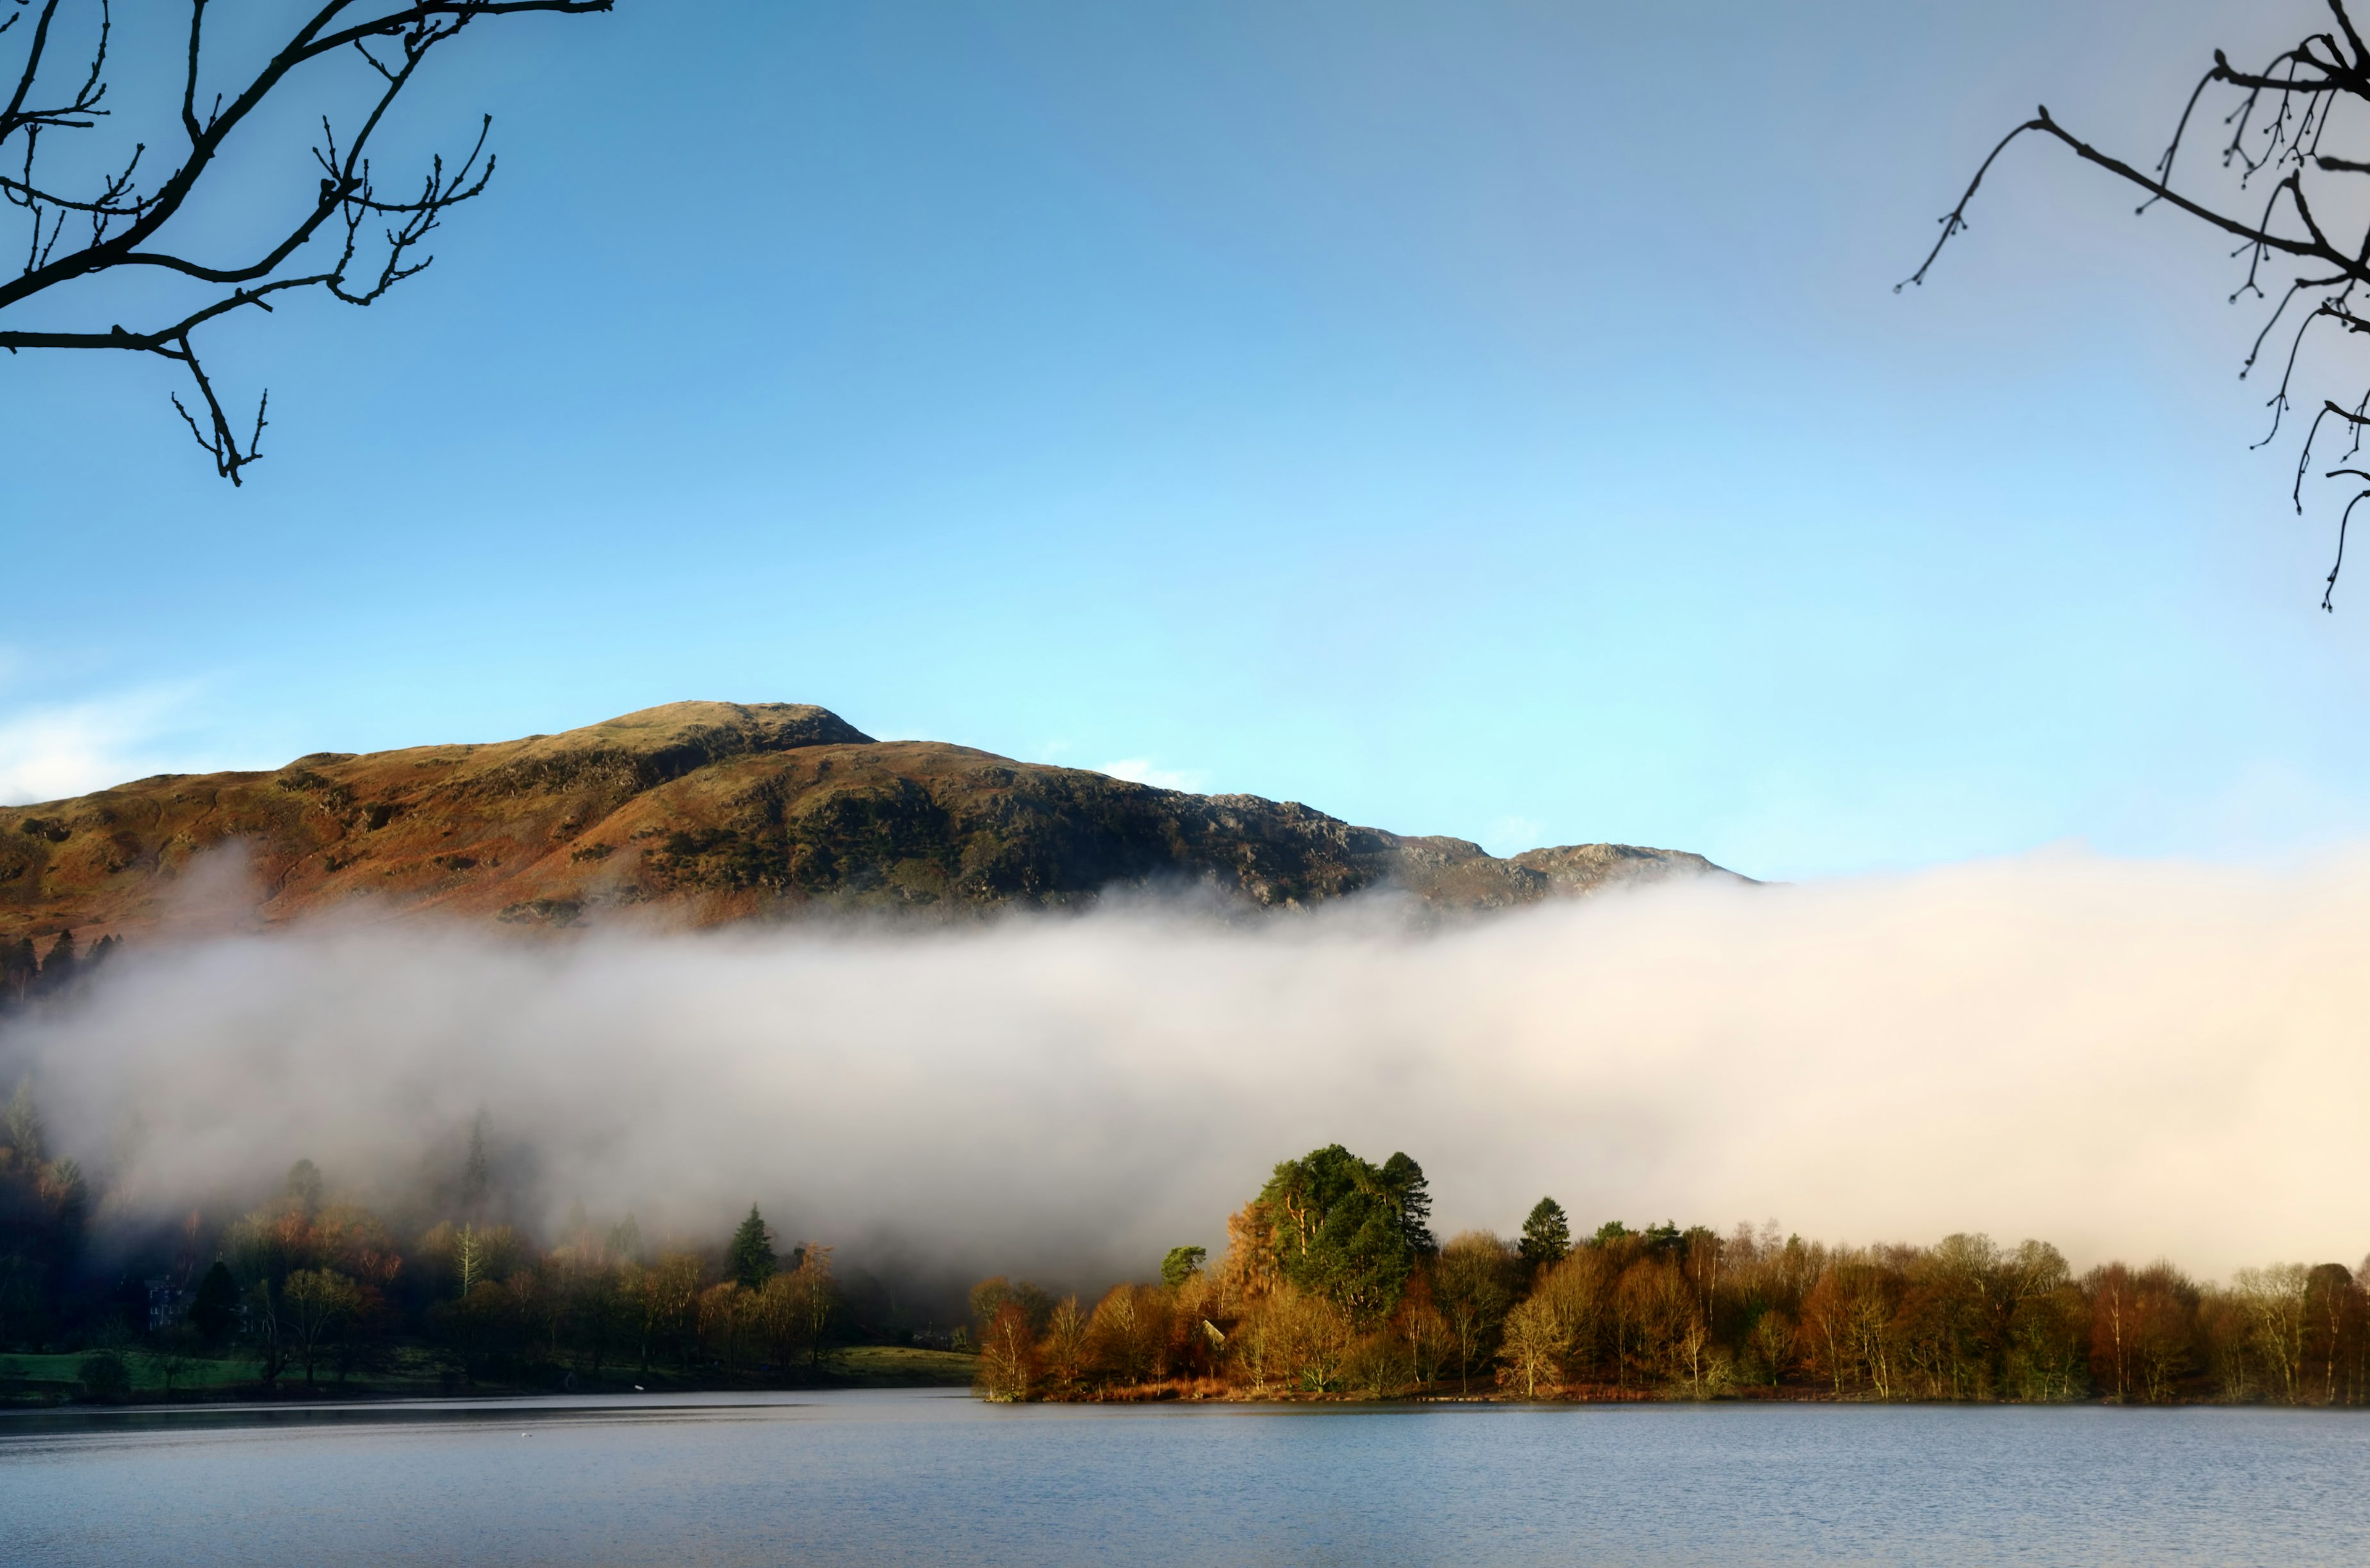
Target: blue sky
1489, 420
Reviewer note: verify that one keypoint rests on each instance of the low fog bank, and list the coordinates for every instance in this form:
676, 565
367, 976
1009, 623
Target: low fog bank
2129, 1059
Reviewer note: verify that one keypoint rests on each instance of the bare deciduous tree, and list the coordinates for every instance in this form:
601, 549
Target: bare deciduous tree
122, 218
2298, 127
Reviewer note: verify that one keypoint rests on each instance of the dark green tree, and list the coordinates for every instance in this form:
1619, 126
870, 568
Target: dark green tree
1404, 1177
477, 1171
57, 966
20, 1127
1546, 1234
18, 968
625, 1241
305, 1185
215, 1310
1339, 1230
1181, 1265
750, 1259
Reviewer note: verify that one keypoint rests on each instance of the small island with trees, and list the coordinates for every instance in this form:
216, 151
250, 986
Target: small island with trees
1332, 1286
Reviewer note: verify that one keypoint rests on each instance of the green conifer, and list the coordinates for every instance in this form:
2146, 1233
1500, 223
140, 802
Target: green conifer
1546, 1234
749, 1258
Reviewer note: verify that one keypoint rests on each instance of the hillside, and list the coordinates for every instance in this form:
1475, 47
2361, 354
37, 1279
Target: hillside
701, 813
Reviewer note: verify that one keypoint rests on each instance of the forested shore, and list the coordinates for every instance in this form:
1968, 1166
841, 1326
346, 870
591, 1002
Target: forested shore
1332, 1286
310, 1292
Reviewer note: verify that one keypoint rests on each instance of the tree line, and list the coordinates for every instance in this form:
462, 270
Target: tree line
310, 1287
1331, 1285
29, 975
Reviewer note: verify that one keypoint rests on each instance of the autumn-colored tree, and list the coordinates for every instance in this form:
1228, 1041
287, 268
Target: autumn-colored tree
1302, 1339
1007, 1356
2049, 1346
2333, 1336
2272, 1306
1534, 1347
666, 1303
816, 1295
2164, 1330
1064, 1352
989, 1296
1849, 1328
2113, 1326
731, 1324
1474, 1282
1421, 1331
1127, 1336
1770, 1341
1657, 1315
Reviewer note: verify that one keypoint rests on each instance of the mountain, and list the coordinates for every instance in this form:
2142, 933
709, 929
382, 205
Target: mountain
701, 813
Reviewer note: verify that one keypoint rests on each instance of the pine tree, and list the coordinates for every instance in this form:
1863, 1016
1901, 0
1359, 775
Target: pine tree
21, 1126
1546, 1234
476, 1173
1339, 1230
18, 968
749, 1258
625, 1241
58, 967
1181, 1265
1404, 1177
305, 1184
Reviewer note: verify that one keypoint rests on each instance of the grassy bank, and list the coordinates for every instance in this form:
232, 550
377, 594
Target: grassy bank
415, 1373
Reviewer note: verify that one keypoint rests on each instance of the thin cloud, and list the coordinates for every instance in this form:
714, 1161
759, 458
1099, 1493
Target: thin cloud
49, 752
1140, 770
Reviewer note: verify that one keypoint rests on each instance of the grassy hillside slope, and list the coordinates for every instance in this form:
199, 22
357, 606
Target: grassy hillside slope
695, 814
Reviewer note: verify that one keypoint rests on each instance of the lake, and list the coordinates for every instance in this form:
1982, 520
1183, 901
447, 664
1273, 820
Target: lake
930, 1476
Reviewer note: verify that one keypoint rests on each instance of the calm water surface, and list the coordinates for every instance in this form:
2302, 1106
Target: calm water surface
932, 1477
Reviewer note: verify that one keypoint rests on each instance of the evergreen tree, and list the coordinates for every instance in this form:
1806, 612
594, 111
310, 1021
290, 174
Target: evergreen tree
1546, 1234
476, 1173
22, 1126
305, 1184
1337, 1231
1405, 1179
625, 1241
215, 1307
749, 1258
58, 967
1181, 1265
18, 968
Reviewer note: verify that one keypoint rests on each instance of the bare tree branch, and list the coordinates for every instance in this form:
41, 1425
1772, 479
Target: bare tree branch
127, 222
2279, 119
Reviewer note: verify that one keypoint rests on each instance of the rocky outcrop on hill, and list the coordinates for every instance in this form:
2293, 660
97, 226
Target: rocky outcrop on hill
701, 813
